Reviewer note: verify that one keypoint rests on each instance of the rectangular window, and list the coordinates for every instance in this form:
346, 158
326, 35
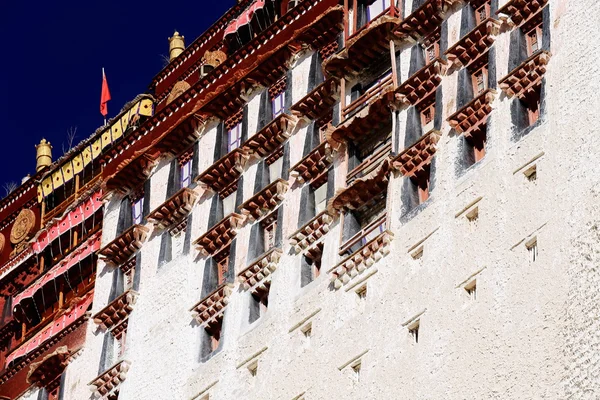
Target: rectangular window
432, 51
321, 198
534, 40
479, 79
427, 116
185, 174
275, 169
137, 210
214, 331
229, 203
376, 9
421, 184
222, 260
482, 12
234, 137
269, 228
278, 104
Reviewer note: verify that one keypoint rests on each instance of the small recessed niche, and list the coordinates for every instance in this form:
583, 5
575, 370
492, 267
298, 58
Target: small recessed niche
531, 173
413, 331
253, 368
471, 289
417, 254
307, 330
361, 292
355, 368
473, 215
532, 249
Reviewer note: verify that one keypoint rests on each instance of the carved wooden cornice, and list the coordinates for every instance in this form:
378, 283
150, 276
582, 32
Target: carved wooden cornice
320, 100
210, 310
314, 164
172, 214
425, 19
257, 276
264, 201
125, 245
474, 114
527, 77
224, 171
311, 232
219, 236
363, 49
270, 137
473, 44
516, 12
115, 315
360, 260
132, 175
361, 190
423, 82
414, 158
110, 380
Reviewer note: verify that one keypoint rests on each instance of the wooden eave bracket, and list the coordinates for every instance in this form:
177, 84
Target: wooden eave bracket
220, 235
516, 12
184, 136
362, 122
363, 48
110, 380
474, 114
361, 190
423, 82
314, 164
46, 372
318, 101
210, 309
125, 245
264, 201
311, 232
224, 171
172, 214
270, 137
257, 276
414, 158
527, 76
362, 259
424, 19
116, 313
131, 174
473, 44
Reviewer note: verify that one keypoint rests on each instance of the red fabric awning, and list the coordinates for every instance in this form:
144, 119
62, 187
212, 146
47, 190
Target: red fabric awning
81, 213
244, 18
53, 328
85, 250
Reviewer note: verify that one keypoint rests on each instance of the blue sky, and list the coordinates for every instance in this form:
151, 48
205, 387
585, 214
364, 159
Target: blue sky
50, 73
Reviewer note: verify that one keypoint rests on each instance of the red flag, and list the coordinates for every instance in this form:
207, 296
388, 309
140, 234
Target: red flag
105, 96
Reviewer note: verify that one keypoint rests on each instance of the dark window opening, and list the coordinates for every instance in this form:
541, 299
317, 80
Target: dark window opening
364, 224
368, 152
426, 110
259, 303
420, 184
269, 227
222, 260
475, 145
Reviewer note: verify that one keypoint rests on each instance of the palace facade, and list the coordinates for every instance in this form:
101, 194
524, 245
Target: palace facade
317, 199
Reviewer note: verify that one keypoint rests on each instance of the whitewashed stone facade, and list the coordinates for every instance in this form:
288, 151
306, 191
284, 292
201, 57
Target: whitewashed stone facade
531, 331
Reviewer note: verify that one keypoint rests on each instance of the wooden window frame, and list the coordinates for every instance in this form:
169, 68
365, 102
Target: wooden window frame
535, 32
432, 51
278, 104
185, 174
234, 132
485, 7
137, 210
222, 260
428, 110
483, 73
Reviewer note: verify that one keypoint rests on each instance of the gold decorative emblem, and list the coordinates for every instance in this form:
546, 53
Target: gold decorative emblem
214, 58
178, 89
2, 243
23, 227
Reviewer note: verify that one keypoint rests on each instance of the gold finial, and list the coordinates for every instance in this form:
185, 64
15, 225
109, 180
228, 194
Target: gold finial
44, 154
176, 45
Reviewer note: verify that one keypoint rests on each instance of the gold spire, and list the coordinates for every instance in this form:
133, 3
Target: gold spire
176, 45
44, 155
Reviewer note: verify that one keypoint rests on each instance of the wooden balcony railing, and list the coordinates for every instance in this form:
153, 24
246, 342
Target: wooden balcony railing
365, 235
371, 163
392, 11
369, 96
